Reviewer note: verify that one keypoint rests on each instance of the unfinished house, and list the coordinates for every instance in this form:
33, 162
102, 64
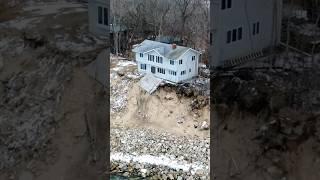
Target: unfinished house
98, 17
169, 62
242, 30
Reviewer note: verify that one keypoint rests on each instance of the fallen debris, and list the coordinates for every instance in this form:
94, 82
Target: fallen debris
150, 83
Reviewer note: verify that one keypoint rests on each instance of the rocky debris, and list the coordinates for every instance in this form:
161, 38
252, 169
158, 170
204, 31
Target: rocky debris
199, 102
204, 125
139, 142
119, 90
28, 108
199, 86
204, 71
168, 97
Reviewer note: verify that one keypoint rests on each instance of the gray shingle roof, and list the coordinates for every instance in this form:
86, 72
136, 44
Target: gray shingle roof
162, 48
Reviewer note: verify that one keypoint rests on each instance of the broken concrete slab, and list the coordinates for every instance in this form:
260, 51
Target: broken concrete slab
150, 83
98, 68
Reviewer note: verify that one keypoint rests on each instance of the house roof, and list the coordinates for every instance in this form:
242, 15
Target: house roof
162, 48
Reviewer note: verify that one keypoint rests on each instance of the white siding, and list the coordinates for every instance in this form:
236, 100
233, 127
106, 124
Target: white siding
94, 26
187, 65
243, 13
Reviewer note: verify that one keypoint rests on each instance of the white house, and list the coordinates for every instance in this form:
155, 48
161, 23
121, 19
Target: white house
242, 30
167, 61
98, 11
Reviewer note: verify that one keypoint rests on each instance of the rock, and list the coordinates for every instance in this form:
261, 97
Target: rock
179, 178
196, 125
121, 73
164, 176
126, 174
275, 172
170, 176
204, 125
168, 97
180, 120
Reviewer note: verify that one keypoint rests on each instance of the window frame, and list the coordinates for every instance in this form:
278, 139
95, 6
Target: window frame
100, 15
229, 37
240, 33
234, 35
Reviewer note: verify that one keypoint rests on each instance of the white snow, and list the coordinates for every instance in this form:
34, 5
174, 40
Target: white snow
126, 63
158, 161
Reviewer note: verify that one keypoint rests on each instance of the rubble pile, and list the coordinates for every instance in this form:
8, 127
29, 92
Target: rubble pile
28, 103
119, 91
135, 143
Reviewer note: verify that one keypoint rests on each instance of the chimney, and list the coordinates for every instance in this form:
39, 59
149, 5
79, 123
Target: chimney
174, 46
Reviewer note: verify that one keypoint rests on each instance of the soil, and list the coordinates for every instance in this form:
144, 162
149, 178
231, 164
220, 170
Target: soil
161, 111
70, 152
267, 133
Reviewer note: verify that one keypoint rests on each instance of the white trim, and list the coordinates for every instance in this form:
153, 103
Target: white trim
187, 51
153, 50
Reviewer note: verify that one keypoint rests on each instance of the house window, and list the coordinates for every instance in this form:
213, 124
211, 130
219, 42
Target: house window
100, 15
151, 58
229, 4
223, 4
240, 33
228, 36
226, 4
141, 55
159, 59
193, 58
180, 61
173, 73
234, 35
161, 70
210, 38
183, 72
172, 62
105, 17
189, 70
143, 66
256, 28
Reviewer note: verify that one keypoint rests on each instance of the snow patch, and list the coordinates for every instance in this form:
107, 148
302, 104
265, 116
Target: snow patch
158, 161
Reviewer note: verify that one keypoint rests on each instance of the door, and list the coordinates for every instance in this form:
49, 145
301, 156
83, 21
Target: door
153, 69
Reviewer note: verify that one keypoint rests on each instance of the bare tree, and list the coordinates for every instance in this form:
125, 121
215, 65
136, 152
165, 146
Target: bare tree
185, 9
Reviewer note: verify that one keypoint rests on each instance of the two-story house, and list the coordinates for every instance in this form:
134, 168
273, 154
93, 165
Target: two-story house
167, 61
241, 30
99, 17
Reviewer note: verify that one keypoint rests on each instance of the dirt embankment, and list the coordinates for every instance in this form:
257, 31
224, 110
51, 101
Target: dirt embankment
180, 110
45, 95
267, 125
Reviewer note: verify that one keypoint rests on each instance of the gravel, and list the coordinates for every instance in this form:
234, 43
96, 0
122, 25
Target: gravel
155, 154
